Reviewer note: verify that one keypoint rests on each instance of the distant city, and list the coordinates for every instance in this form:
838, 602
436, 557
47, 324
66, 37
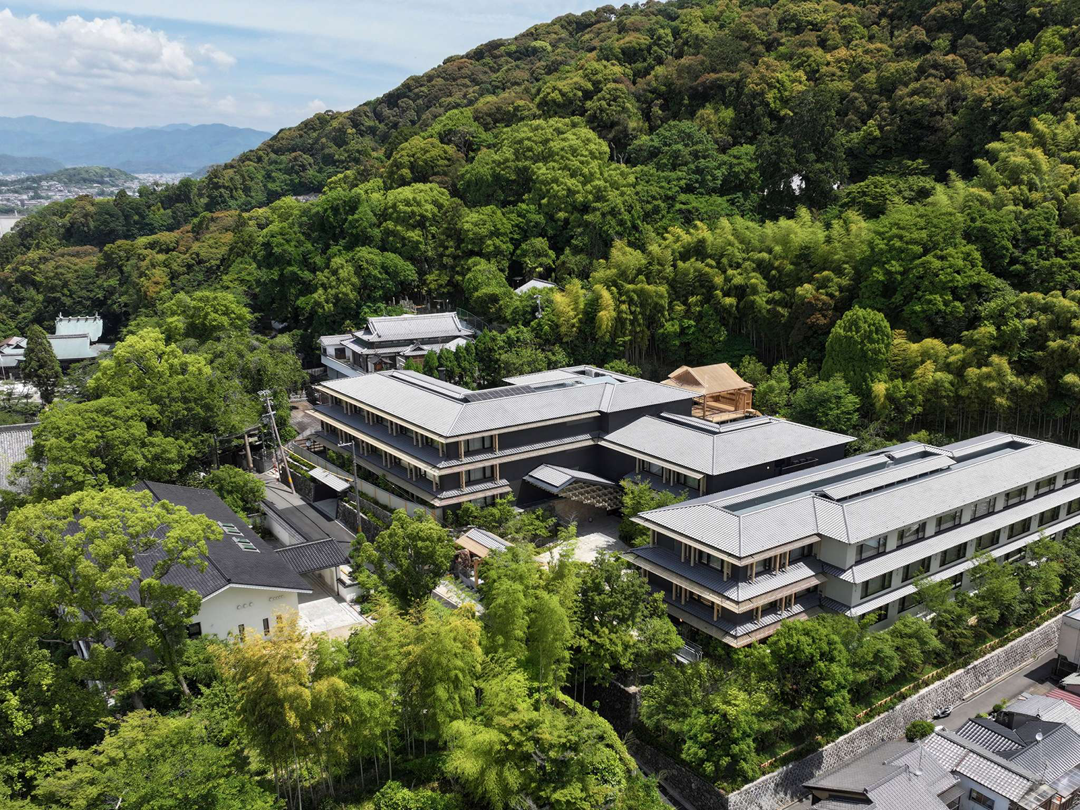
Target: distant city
19, 200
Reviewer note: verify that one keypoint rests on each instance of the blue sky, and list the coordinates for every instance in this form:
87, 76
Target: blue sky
258, 63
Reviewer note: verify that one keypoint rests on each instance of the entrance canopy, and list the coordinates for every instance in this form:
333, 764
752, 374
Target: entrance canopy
576, 485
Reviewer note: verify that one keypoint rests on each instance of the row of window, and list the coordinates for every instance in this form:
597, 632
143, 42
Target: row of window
986, 506
677, 478
958, 552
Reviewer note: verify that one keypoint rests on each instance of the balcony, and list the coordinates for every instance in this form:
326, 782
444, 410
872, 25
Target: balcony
341, 366
743, 632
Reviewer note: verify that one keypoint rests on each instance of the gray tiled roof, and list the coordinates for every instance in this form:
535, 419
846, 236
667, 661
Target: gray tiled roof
1057, 753
710, 449
892, 776
751, 519
449, 411
992, 736
486, 539
553, 479
413, 327
228, 564
15, 441
711, 579
1047, 708
694, 611
315, 556
983, 767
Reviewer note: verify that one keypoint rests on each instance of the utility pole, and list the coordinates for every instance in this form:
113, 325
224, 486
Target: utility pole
266, 395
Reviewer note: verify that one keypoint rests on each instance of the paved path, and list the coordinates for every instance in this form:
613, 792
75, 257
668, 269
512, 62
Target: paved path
324, 612
600, 534
1032, 678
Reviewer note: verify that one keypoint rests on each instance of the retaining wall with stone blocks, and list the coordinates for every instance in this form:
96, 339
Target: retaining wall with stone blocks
701, 794
785, 785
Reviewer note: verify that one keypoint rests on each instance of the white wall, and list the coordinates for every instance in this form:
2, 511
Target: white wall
225, 612
1069, 640
966, 784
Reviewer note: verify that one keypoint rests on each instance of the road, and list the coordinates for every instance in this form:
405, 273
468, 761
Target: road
1032, 678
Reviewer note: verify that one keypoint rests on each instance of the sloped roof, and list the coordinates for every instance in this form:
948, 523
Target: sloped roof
872, 494
711, 449
89, 325
227, 562
303, 558
714, 379
536, 284
481, 542
413, 327
895, 775
553, 479
983, 767
449, 410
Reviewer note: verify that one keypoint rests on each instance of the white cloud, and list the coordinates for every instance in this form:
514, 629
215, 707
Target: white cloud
103, 63
316, 105
216, 56
226, 105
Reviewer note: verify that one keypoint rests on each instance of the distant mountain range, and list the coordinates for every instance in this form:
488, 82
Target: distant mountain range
173, 148
9, 164
103, 176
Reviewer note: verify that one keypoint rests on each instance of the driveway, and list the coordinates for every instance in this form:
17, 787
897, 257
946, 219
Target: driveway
1033, 678
597, 531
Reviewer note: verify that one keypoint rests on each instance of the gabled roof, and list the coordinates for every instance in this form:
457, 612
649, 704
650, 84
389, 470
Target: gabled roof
553, 479
413, 327
711, 449
892, 776
990, 735
481, 542
89, 325
304, 558
714, 379
863, 496
451, 411
536, 284
229, 563
967, 758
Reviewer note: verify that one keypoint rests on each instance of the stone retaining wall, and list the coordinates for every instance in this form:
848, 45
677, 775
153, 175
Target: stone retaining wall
785, 785
347, 515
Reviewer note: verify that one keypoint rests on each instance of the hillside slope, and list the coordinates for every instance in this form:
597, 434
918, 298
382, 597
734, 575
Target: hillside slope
700, 177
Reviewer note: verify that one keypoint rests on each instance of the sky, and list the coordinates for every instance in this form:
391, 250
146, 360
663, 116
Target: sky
264, 64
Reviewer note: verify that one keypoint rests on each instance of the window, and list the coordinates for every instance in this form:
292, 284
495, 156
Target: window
909, 601
1072, 475
1072, 507
871, 548
947, 521
1019, 528
266, 627
240, 631
1049, 516
682, 479
911, 534
1013, 556
984, 507
479, 443
194, 630
913, 570
1046, 485
951, 555
979, 798
876, 585
956, 582
655, 469
988, 540
1018, 495
479, 473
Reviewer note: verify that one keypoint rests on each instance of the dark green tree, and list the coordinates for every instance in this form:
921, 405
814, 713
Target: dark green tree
39, 366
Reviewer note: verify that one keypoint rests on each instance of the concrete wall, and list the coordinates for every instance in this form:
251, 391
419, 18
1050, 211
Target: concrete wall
784, 786
224, 613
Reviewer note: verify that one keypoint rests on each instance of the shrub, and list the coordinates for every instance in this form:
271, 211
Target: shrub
917, 729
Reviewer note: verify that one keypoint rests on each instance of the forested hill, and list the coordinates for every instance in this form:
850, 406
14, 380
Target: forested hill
702, 179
